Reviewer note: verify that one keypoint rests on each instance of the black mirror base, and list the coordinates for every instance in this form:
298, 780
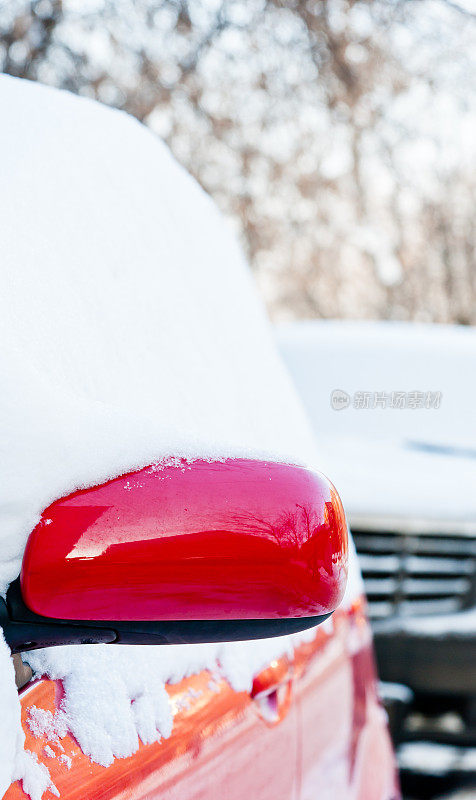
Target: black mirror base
24, 630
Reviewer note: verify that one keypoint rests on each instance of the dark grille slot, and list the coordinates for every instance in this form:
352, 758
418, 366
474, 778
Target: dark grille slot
407, 573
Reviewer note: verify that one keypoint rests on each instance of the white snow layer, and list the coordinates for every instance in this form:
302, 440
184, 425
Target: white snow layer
128, 686
130, 331
15, 762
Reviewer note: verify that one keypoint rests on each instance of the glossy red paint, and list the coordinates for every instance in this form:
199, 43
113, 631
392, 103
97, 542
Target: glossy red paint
234, 539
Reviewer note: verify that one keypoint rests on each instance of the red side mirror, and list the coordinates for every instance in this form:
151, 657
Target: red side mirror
242, 544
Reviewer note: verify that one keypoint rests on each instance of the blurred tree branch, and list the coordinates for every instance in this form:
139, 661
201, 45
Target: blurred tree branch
309, 124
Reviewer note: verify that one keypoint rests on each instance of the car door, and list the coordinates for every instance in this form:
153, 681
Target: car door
345, 747
310, 728
224, 744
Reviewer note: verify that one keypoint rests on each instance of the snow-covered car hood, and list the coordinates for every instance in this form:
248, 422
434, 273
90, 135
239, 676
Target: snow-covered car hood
402, 478
415, 460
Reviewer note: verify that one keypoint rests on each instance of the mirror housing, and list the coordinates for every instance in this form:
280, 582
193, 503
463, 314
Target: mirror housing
181, 552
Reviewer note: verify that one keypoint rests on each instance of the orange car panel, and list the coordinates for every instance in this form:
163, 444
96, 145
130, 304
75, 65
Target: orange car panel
308, 730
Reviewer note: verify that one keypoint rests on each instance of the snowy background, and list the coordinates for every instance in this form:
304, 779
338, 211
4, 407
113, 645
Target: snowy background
338, 135
338, 139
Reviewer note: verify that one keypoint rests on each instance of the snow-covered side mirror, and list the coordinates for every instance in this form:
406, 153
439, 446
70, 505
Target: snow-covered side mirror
181, 552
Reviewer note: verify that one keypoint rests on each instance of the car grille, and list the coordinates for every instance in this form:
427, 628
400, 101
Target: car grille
411, 573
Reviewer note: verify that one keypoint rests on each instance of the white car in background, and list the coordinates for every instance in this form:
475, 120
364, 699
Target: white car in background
393, 406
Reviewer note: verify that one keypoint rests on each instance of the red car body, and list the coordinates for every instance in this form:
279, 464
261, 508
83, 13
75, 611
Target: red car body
311, 729
312, 726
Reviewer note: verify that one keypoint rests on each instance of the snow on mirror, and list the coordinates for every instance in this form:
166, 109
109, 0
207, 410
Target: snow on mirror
149, 343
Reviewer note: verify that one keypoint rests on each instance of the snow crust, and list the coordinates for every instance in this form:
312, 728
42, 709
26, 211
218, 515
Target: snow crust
15, 762
438, 759
128, 686
385, 461
396, 692
11, 735
128, 683
130, 328
130, 333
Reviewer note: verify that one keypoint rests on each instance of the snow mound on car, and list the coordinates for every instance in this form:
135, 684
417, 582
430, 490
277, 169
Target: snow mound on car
128, 686
129, 325
130, 328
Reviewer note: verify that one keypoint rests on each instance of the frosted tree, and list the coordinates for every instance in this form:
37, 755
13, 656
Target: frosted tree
336, 135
